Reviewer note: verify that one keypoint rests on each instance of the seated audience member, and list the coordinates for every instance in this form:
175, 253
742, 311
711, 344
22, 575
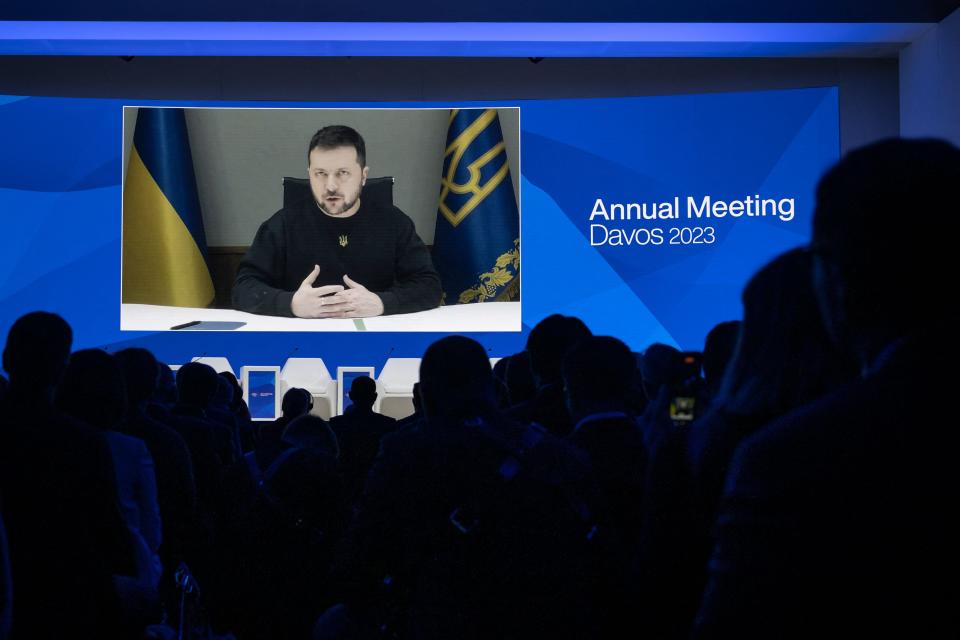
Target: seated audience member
197, 385
358, 432
500, 381
173, 467
287, 542
834, 519
676, 399
417, 414
240, 411
718, 350
311, 432
597, 376
220, 410
547, 343
783, 361
6, 586
166, 393
488, 521
296, 402
92, 390
66, 536
519, 379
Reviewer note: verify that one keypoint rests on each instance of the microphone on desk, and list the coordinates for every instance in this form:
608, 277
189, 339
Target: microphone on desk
389, 353
290, 355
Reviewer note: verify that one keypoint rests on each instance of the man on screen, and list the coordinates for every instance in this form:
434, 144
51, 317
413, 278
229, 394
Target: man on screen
335, 255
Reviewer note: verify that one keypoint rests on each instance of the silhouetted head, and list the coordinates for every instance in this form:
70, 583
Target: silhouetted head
196, 384
166, 385
661, 366
223, 397
718, 349
237, 390
141, 373
363, 392
597, 376
311, 432
520, 384
417, 399
296, 402
37, 349
92, 389
784, 357
500, 380
455, 379
548, 342
876, 241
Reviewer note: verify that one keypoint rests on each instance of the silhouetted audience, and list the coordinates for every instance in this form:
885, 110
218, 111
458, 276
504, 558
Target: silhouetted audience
834, 519
800, 487
173, 466
417, 414
784, 360
489, 521
93, 390
718, 350
66, 535
598, 376
311, 432
296, 402
358, 432
286, 542
6, 585
240, 411
547, 344
519, 379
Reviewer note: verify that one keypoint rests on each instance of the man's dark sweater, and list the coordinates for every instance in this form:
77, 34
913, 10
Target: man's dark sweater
377, 247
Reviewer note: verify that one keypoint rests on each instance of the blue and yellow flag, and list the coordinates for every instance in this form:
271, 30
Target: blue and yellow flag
476, 248
164, 246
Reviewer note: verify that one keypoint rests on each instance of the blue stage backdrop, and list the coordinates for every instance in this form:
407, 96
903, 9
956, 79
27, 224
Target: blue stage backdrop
643, 216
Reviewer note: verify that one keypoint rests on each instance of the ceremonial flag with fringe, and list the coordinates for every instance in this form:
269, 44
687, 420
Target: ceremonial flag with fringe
476, 247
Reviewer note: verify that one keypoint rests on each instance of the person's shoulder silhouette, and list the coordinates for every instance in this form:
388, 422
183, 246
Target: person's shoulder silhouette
833, 516
59, 495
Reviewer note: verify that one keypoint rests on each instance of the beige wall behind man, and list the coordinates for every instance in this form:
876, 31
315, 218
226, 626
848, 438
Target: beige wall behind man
240, 156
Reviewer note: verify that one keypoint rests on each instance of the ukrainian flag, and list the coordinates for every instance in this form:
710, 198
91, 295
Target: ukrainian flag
164, 246
476, 248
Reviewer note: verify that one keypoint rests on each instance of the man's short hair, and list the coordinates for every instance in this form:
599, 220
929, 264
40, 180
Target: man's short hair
549, 341
338, 135
876, 222
140, 371
296, 402
196, 384
455, 371
363, 390
599, 369
37, 349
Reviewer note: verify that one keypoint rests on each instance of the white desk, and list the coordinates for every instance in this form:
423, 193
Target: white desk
461, 318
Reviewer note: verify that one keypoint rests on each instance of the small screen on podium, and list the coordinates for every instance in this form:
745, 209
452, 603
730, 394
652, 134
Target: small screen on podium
262, 397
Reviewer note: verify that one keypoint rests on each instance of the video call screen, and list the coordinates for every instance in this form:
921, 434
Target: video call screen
643, 216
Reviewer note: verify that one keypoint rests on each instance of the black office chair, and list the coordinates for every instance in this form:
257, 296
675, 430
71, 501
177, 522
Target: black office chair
379, 190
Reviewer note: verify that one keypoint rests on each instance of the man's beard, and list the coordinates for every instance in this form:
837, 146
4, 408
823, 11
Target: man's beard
344, 204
